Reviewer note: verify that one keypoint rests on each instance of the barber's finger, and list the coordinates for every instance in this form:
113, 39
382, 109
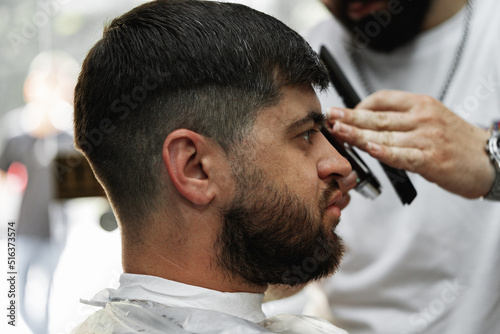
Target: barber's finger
367, 119
346, 198
389, 100
360, 137
349, 182
410, 159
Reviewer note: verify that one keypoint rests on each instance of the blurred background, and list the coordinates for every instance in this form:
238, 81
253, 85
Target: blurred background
67, 247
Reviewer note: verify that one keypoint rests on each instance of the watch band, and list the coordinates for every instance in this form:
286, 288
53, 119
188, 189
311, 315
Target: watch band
493, 150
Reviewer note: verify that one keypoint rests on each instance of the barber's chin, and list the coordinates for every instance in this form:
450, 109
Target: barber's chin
358, 10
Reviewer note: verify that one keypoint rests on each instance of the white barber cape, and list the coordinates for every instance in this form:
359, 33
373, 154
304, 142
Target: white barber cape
149, 304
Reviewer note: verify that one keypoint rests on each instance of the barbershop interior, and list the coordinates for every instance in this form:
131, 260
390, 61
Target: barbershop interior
421, 249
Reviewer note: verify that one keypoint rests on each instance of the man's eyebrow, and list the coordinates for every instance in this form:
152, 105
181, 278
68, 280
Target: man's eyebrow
317, 117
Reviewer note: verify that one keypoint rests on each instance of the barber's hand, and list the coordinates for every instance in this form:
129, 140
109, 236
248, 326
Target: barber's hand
419, 134
347, 183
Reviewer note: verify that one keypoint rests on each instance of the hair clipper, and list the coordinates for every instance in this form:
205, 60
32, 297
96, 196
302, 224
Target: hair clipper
368, 184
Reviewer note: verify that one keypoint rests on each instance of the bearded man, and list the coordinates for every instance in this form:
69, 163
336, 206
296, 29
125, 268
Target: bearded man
201, 121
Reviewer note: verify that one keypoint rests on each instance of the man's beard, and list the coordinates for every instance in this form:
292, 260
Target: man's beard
385, 31
270, 236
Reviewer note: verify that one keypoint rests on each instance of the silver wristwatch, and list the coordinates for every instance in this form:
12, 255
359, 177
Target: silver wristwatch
493, 150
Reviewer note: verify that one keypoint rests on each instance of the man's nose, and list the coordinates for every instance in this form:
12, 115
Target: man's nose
331, 163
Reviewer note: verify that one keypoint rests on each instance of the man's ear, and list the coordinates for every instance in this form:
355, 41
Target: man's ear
184, 154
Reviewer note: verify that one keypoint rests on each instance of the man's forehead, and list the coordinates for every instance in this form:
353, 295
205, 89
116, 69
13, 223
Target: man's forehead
298, 106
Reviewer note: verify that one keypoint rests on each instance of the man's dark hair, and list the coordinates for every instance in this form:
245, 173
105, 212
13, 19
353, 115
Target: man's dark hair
204, 66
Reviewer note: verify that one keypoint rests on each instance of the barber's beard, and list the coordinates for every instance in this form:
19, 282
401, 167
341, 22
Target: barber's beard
402, 27
270, 236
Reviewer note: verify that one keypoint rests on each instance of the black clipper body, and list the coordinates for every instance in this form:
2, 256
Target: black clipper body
368, 185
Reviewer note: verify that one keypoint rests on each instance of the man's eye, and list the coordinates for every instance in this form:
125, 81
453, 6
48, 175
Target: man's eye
308, 134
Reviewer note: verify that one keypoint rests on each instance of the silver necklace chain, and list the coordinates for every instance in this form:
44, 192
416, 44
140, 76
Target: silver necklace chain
457, 58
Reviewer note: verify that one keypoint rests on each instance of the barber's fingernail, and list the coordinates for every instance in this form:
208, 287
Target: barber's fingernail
336, 113
374, 148
341, 128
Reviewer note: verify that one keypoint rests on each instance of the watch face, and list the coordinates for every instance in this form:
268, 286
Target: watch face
494, 152
496, 145
493, 149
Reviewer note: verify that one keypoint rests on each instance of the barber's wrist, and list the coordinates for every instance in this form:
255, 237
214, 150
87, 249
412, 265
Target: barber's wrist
492, 148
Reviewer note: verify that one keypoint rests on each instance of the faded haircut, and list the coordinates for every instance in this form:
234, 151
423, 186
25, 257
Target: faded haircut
200, 65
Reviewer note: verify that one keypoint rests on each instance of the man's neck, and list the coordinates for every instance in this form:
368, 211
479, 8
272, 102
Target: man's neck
442, 10
196, 272
190, 259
